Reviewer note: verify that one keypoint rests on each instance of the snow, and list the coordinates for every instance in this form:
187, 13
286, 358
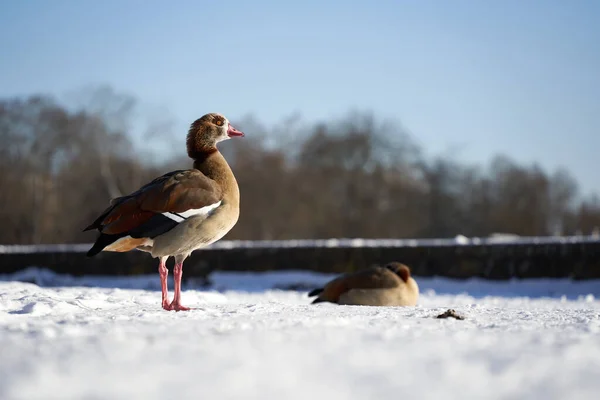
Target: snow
107, 338
495, 239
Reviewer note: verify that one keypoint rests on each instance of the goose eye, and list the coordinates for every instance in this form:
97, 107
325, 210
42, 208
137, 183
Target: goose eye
219, 122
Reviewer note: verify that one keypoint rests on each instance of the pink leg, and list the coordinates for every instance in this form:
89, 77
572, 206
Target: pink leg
177, 273
164, 273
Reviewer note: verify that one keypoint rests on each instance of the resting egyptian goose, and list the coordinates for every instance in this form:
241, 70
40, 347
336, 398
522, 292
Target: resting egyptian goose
178, 212
391, 285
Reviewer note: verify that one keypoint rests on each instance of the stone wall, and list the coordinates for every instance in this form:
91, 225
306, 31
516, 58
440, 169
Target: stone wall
550, 259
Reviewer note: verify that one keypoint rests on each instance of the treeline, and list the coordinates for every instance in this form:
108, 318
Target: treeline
356, 177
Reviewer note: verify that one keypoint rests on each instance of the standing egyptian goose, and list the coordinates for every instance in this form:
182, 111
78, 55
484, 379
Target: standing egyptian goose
178, 212
391, 285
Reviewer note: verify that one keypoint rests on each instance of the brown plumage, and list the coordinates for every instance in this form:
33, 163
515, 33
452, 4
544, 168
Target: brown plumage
391, 285
174, 192
180, 211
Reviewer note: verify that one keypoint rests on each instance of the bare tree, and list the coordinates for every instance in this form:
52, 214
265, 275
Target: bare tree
357, 176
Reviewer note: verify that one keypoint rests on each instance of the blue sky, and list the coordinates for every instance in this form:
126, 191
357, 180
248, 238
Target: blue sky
515, 77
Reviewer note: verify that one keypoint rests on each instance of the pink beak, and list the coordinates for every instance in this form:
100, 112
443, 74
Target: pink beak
231, 131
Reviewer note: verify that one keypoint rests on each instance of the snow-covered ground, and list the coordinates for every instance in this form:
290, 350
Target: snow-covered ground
107, 338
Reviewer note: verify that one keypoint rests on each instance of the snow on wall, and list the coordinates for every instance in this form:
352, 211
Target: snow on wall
256, 244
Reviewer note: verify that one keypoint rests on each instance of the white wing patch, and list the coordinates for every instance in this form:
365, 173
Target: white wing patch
182, 216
